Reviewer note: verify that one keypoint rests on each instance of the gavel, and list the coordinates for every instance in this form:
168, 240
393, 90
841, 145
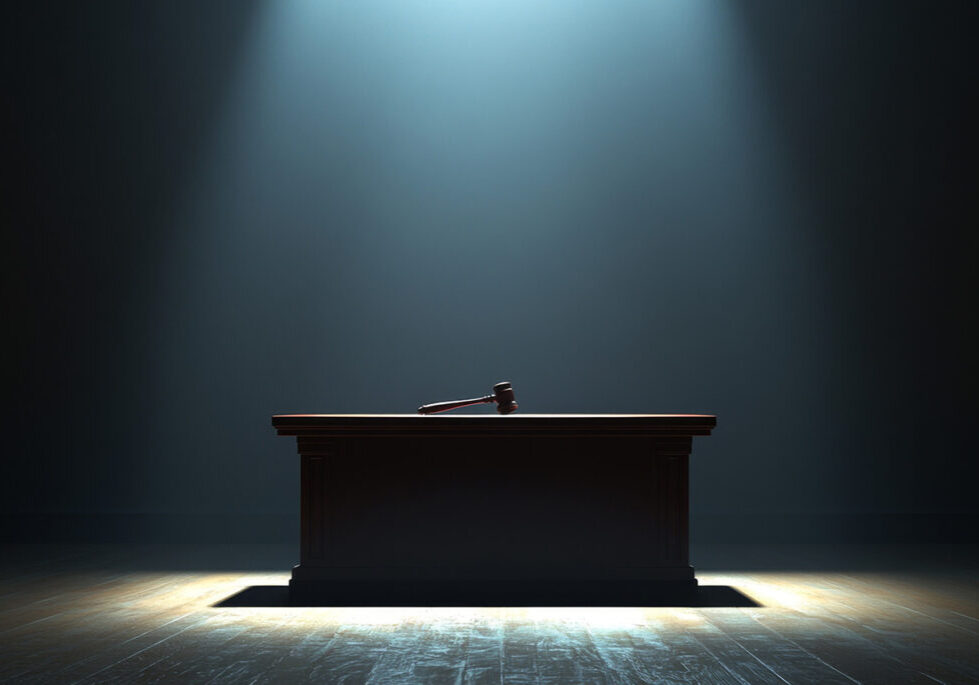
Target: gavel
502, 395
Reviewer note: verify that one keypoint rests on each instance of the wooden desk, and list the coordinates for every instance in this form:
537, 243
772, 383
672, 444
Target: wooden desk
547, 508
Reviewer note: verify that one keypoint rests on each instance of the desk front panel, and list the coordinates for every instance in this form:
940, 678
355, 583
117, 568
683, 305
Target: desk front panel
499, 506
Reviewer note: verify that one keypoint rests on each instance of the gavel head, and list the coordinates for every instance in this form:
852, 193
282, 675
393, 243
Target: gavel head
503, 394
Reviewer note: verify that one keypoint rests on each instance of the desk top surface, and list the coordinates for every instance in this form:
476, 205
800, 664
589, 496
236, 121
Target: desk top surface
346, 424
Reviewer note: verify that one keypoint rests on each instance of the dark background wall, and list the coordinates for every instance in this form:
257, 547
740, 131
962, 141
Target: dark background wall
219, 211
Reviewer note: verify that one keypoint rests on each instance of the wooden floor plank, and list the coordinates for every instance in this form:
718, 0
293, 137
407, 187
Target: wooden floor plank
944, 600
846, 651
425, 651
143, 618
781, 655
87, 617
569, 650
737, 660
925, 646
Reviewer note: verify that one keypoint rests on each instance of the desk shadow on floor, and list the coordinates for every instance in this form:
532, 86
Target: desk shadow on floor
701, 596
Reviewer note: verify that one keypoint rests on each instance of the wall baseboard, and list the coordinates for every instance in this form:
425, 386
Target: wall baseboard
835, 528
284, 528
150, 528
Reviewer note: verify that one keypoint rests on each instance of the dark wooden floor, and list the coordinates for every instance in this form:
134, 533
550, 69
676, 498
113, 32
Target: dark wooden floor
174, 614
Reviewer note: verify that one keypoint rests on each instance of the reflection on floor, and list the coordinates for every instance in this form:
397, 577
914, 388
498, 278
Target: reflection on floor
167, 614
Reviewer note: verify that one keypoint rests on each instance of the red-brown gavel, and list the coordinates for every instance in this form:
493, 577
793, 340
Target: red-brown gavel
502, 395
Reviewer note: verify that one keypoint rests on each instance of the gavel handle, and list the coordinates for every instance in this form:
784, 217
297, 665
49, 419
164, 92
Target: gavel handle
455, 404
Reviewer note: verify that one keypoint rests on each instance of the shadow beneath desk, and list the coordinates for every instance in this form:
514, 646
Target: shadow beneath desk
395, 596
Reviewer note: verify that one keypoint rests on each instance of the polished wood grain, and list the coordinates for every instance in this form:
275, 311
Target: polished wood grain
160, 615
